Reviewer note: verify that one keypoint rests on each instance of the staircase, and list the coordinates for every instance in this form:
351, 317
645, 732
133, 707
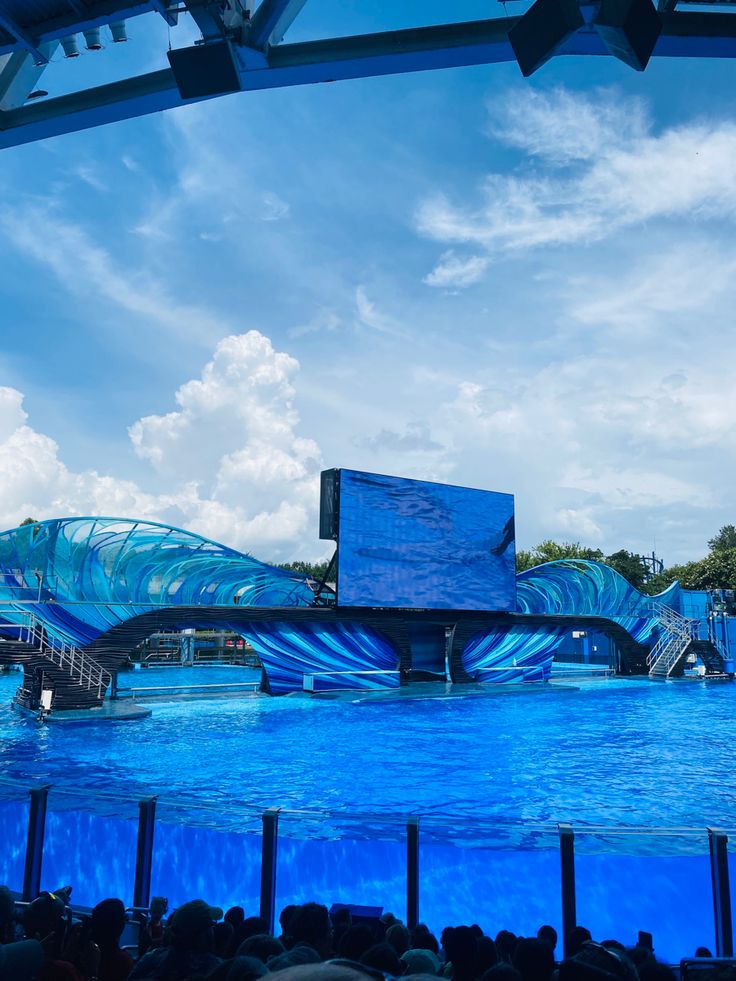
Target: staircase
67, 670
668, 655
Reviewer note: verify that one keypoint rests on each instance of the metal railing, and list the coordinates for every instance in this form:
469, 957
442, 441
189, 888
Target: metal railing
82, 669
677, 633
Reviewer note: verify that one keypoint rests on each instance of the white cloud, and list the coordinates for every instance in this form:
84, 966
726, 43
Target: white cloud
454, 270
228, 462
606, 170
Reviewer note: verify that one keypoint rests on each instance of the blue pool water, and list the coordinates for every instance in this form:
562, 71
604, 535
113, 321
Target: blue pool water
490, 776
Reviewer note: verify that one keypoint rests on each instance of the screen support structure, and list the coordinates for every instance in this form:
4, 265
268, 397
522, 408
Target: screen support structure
325, 595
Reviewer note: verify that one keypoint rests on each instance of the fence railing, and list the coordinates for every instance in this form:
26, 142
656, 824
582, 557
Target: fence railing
408, 825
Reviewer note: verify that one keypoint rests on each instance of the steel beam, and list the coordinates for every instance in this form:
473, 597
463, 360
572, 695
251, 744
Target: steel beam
567, 878
270, 818
391, 52
23, 38
412, 871
718, 841
34, 843
271, 20
144, 852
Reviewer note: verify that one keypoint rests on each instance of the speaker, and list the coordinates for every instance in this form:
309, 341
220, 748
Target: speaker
545, 26
329, 505
205, 69
629, 29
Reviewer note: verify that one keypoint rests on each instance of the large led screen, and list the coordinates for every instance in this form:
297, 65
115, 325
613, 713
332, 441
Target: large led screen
413, 544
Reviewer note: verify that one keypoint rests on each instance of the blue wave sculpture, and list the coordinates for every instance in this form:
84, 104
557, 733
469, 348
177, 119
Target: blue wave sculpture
82, 576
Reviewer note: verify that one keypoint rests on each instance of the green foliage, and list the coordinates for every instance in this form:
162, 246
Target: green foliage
28, 521
549, 551
629, 565
725, 539
317, 570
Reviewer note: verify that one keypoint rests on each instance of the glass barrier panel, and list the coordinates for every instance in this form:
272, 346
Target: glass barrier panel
327, 858
201, 853
90, 845
627, 881
500, 877
14, 808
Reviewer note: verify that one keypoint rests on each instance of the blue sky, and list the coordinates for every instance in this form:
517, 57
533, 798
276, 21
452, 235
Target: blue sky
522, 285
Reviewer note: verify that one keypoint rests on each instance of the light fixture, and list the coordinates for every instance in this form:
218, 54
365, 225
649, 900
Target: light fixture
119, 34
542, 30
70, 46
92, 39
629, 29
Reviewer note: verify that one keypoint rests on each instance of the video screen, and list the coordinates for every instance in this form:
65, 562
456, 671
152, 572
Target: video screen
418, 545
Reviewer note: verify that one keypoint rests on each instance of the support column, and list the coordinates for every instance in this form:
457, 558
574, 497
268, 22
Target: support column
144, 853
34, 843
718, 841
270, 818
412, 871
567, 869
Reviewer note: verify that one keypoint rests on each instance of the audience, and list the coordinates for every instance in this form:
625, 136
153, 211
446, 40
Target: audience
196, 943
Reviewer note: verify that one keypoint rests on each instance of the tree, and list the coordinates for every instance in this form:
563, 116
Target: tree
628, 565
315, 570
549, 551
725, 539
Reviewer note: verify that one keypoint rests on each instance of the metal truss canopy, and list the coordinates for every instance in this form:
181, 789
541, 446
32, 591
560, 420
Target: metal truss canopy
30, 32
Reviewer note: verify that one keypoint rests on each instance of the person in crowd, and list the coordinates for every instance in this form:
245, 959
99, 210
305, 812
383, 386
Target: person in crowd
506, 945
157, 911
261, 946
423, 939
486, 956
383, 957
356, 941
534, 960
420, 961
548, 934
399, 938
190, 952
503, 971
461, 947
311, 925
578, 936
286, 915
703, 952
108, 923
66, 958
239, 969
342, 920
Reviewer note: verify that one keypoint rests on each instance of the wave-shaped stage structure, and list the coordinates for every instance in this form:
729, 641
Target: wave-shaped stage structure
78, 594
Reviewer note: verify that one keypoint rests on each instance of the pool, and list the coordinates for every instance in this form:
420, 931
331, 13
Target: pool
489, 776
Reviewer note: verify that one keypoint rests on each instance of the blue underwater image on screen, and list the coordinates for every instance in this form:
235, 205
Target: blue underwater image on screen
410, 543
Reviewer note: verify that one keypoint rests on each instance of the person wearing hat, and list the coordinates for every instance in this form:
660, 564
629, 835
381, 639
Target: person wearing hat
190, 950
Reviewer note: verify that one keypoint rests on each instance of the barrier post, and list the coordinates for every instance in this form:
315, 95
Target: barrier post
34, 843
270, 818
567, 870
718, 841
144, 852
412, 871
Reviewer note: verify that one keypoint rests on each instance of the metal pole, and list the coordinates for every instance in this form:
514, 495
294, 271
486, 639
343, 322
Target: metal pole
567, 868
270, 818
412, 871
144, 852
34, 843
718, 841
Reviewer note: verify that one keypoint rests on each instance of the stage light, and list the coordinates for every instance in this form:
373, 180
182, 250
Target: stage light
205, 69
629, 29
92, 39
70, 46
541, 31
119, 34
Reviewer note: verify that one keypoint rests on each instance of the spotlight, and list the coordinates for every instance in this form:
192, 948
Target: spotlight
629, 29
70, 46
542, 30
205, 69
92, 39
119, 34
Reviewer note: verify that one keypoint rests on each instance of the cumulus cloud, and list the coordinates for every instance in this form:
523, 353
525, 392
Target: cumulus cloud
227, 461
605, 169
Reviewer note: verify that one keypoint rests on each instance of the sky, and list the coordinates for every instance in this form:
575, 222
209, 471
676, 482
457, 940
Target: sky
523, 285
